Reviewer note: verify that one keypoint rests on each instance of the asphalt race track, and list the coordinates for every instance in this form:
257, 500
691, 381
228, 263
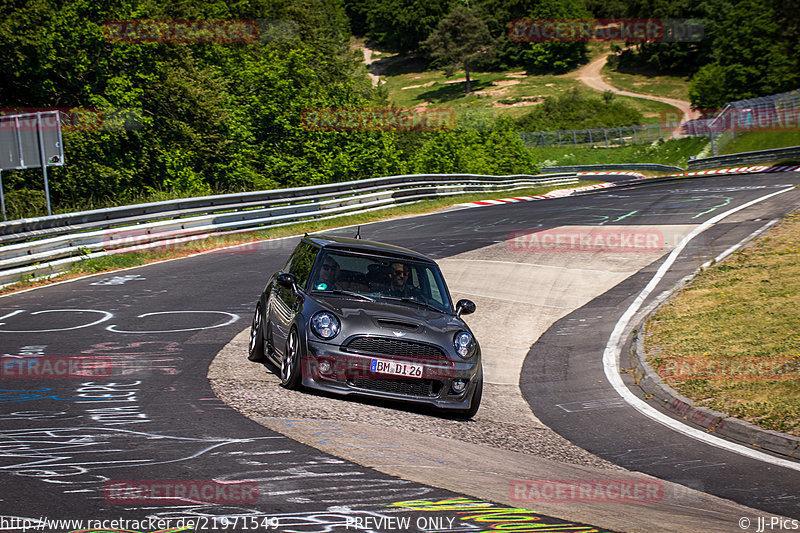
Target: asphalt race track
141, 413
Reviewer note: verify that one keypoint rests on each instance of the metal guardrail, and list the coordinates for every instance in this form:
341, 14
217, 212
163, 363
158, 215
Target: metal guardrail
744, 158
611, 167
45, 245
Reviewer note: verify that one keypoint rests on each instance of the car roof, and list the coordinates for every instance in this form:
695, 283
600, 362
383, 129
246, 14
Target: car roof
335, 242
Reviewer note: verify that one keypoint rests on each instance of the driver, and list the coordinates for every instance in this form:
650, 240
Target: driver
398, 284
328, 274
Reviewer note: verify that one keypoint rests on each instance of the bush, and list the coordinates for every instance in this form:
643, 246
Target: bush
475, 146
573, 110
25, 203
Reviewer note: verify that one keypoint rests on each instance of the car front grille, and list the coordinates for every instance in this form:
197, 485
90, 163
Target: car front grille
397, 347
423, 388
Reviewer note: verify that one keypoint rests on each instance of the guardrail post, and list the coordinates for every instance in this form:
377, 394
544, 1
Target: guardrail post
2, 196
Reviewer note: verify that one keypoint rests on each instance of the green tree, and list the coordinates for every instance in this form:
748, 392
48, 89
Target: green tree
461, 40
401, 25
708, 87
753, 55
535, 57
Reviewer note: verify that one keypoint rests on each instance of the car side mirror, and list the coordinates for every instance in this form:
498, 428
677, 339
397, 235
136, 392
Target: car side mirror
465, 307
286, 280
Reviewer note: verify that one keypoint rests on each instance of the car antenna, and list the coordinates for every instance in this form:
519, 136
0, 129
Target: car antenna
358, 232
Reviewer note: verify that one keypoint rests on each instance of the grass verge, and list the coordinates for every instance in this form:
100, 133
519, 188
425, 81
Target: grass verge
672, 152
117, 261
731, 340
761, 140
646, 81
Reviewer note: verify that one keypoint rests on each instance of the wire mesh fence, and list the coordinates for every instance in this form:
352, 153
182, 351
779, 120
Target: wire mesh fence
778, 112
608, 137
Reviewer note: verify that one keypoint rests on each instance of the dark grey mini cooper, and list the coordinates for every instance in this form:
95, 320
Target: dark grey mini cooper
351, 316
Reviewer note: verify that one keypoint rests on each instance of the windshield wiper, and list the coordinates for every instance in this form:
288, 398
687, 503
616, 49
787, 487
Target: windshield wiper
348, 293
412, 301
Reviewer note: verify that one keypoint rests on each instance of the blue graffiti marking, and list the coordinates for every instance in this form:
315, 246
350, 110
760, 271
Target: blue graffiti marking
11, 396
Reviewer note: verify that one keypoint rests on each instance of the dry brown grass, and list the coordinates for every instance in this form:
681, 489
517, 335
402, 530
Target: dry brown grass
731, 340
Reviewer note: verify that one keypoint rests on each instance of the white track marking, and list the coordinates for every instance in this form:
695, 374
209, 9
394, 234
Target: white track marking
232, 318
106, 316
614, 345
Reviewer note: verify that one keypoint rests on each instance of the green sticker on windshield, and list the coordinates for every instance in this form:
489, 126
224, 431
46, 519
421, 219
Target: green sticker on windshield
322, 286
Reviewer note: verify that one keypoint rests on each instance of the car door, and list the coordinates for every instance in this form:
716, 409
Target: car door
285, 302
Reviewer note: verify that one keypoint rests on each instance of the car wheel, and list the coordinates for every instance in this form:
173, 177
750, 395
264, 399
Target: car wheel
290, 364
474, 403
256, 345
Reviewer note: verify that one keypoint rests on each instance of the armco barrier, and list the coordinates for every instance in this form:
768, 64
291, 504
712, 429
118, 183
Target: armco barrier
745, 158
624, 166
41, 246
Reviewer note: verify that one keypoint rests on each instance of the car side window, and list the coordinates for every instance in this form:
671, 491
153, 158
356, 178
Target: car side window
301, 263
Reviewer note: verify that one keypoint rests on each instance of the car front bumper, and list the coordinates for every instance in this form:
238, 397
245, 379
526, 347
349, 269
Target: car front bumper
326, 367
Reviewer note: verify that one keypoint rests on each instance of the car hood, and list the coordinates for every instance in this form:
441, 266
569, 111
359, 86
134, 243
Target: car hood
407, 321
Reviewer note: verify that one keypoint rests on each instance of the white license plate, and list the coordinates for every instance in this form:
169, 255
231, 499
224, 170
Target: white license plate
396, 368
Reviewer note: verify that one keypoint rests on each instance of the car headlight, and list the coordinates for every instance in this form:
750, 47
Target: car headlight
325, 325
464, 344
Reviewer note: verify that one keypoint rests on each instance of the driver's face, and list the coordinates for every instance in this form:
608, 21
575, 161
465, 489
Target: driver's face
329, 271
399, 274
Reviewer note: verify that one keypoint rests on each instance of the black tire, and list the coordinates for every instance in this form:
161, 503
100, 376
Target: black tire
256, 344
290, 363
474, 403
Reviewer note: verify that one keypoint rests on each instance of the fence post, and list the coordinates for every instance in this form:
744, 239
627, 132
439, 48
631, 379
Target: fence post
605, 134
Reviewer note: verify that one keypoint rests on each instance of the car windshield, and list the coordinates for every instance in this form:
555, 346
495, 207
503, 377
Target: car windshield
376, 277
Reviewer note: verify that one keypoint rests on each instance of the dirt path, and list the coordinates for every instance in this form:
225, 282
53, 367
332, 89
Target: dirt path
591, 75
375, 66
368, 62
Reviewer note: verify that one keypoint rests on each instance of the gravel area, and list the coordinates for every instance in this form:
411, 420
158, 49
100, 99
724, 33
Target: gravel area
504, 420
